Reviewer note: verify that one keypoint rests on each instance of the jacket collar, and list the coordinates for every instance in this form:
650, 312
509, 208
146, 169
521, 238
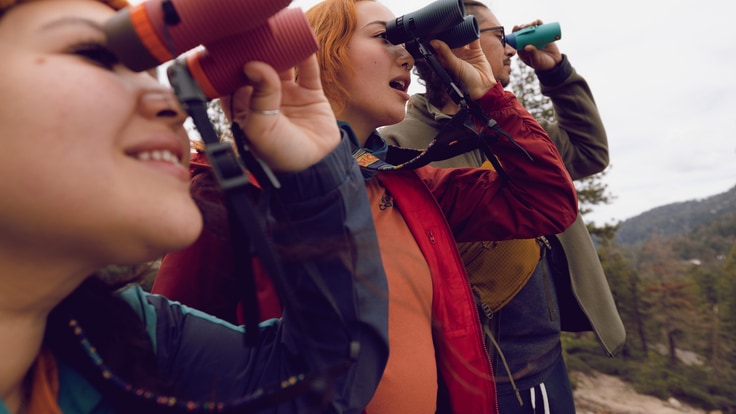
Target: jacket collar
420, 105
375, 144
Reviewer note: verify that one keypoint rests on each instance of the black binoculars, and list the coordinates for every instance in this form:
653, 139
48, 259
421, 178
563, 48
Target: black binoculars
442, 19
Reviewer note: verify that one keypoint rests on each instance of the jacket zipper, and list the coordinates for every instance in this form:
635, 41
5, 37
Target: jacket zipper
547, 247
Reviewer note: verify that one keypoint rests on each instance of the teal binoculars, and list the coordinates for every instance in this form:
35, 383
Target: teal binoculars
539, 36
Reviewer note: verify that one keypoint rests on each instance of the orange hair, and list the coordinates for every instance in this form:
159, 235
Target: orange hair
333, 23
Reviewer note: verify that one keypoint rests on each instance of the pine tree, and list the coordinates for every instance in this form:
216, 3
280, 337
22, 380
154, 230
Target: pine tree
625, 287
670, 295
727, 316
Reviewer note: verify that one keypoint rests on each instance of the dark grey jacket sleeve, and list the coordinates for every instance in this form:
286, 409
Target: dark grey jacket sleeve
325, 228
578, 134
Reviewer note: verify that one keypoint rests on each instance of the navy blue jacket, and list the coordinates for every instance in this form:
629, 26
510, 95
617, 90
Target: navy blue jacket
328, 222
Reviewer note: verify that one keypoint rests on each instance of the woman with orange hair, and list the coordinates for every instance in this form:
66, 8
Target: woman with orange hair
78, 335
438, 362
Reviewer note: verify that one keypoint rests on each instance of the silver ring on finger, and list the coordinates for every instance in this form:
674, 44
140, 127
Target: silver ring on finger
268, 112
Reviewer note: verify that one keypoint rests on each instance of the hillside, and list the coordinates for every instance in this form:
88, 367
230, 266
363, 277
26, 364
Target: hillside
697, 231
679, 218
672, 271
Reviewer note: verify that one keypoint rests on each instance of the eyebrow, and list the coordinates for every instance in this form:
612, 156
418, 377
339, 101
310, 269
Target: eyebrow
65, 21
378, 22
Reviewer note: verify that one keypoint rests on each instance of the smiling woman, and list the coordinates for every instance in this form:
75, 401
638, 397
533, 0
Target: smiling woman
115, 190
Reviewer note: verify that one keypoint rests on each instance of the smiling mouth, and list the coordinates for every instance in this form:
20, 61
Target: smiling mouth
158, 155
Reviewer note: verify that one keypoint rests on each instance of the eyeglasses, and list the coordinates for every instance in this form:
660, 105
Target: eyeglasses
499, 29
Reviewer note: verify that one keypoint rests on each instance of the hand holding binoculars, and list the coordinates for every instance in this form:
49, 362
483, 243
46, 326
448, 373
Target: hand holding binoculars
538, 36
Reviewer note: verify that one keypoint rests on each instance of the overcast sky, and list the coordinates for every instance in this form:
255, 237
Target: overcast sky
662, 73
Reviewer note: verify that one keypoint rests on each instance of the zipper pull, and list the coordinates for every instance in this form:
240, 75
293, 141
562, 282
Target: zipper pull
484, 306
542, 240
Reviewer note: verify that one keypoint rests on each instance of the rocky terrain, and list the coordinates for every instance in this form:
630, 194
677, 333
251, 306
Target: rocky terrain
604, 394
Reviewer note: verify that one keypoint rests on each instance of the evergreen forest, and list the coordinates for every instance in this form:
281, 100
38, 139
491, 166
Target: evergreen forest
672, 271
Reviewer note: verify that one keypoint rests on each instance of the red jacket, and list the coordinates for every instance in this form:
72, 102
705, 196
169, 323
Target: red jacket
462, 356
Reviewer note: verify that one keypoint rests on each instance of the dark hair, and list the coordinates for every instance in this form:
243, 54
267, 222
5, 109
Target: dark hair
435, 89
471, 5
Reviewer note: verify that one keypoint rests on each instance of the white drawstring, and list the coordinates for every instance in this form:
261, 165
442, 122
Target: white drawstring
545, 400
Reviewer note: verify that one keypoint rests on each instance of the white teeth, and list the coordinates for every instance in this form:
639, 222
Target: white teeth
400, 85
158, 155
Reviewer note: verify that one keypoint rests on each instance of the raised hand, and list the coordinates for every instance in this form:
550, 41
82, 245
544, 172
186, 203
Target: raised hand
468, 65
287, 119
539, 59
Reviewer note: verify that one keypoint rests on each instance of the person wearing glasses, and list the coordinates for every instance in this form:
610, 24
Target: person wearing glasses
528, 291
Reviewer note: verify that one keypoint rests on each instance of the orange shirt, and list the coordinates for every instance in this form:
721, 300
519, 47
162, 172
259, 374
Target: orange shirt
409, 382
45, 385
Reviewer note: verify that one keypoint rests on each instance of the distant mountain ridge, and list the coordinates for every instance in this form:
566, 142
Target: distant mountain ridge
671, 275
678, 219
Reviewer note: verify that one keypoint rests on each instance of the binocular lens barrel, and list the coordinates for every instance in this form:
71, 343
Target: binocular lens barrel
458, 36
435, 17
285, 40
156, 31
462, 34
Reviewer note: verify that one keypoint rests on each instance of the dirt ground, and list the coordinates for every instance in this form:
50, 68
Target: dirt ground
604, 394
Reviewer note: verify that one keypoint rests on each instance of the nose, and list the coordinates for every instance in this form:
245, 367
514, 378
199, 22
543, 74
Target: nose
405, 58
160, 102
509, 51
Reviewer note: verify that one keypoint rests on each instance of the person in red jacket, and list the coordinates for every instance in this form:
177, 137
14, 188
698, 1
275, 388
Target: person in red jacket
437, 361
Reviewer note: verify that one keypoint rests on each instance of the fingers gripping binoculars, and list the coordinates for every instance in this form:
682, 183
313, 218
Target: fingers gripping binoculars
231, 33
442, 19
